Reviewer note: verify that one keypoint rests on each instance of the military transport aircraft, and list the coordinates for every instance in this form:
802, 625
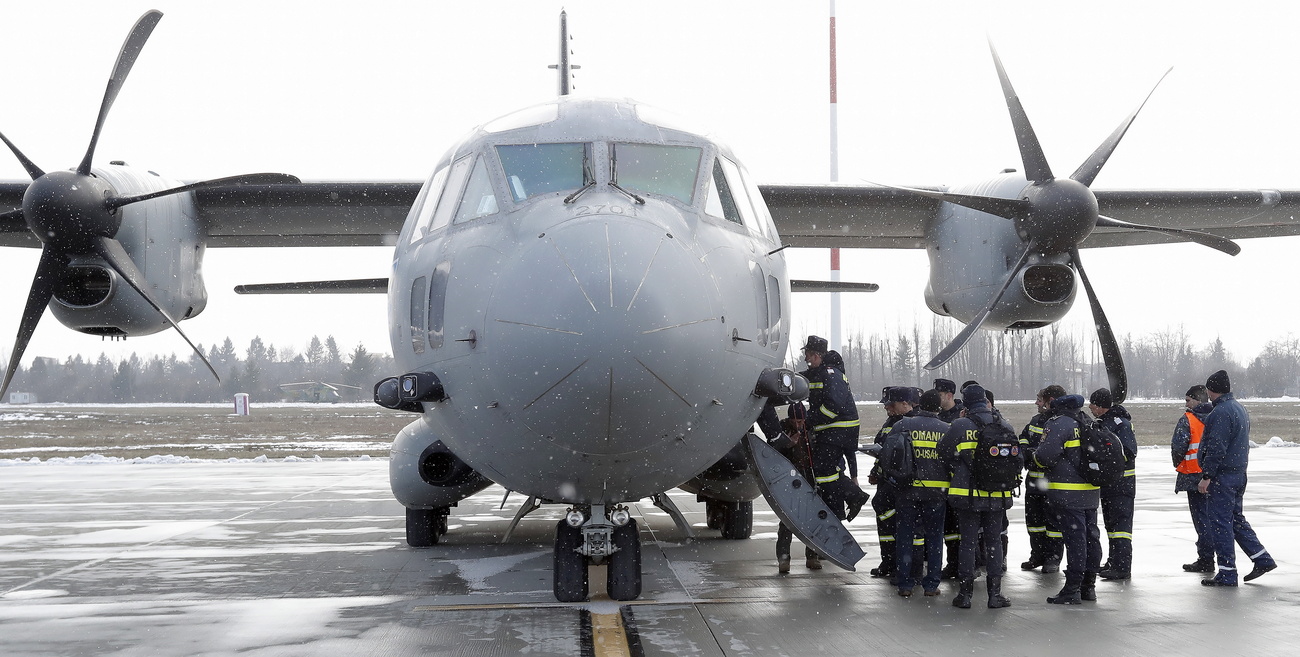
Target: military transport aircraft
589, 301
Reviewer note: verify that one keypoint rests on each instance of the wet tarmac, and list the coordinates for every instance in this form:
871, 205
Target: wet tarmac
308, 558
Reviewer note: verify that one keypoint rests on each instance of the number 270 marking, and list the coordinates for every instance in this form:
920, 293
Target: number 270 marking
586, 210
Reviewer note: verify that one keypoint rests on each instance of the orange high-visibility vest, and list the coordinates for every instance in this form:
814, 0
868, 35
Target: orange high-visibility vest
1190, 464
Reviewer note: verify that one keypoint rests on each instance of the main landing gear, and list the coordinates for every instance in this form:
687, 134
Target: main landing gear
735, 519
425, 526
593, 535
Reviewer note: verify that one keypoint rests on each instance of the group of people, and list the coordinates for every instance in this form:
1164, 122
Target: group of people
948, 467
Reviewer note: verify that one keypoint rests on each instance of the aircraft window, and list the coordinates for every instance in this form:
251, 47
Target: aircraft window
762, 216
760, 300
419, 298
535, 169
479, 201
524, 118
654, 169
774, 307
719, 202
438, 303
430, 202
737, 186
451, 193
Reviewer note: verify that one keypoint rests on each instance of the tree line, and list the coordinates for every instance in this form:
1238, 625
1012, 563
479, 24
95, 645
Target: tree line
1015, 365
258, 371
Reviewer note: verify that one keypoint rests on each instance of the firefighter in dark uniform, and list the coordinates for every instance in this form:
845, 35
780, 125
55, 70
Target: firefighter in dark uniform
886, 499
1045, 545
1117, 499
921, 500
834, 425
979, 511
950, 408
1072, 499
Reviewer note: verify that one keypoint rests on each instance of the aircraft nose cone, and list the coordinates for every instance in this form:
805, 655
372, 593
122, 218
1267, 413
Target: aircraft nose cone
609, 342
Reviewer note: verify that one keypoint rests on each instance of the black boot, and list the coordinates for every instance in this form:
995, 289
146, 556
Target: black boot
1088, 590
1069, 594
1051, 565
967, 588
996, 601
1034, 562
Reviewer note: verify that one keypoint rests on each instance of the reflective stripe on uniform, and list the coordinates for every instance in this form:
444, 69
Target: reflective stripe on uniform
826, 411
918, 541
1036, 530
1035, 473
837, 425
1126, 535
887, 515
923, 483
886, 539
1130, 473
828, 478
1072, 443
952, 537
1034, 429
925, 443
1057, 485
1054, 534
968, 445
967, 492
812, 385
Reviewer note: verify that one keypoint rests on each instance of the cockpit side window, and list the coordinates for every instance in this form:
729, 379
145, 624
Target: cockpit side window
656, 169
737, 186
718, 201
535, 169
428, 203
451, 193
479, 200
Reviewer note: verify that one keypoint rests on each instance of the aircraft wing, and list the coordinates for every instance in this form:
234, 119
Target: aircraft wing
871, 216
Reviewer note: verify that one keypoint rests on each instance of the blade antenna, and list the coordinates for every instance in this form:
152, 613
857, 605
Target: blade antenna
1110, 352
1087, 172
1031, 153
960, 341
125, 60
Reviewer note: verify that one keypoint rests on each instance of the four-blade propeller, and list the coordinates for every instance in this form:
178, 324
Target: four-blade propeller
75, 214
1053, 217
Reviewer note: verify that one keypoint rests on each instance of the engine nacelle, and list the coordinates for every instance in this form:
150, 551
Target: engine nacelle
166, 243
970, 255
424, 474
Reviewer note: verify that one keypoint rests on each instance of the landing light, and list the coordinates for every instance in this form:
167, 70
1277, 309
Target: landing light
574, 518
620, 516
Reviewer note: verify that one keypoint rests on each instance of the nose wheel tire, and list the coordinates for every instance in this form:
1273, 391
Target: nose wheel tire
570, 569
624, 576
737, 520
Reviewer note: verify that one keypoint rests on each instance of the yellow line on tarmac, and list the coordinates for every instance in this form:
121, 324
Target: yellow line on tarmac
608, 638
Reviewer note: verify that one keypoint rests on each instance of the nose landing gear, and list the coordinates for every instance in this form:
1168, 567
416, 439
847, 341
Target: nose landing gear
604, 537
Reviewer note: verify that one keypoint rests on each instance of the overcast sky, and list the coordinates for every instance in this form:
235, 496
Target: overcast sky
331, 91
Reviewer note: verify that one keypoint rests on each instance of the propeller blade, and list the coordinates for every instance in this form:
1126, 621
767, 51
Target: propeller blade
1205, 239
960, 341
112, 252
32, 170
47, 277
246, 179
1031, 153
1007, 208
125, 60
1087, 172
1109, 346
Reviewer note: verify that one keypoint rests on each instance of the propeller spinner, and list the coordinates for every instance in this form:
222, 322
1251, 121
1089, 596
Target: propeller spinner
1054, 216
74, 213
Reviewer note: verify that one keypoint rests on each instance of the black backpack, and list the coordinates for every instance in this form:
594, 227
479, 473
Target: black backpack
1102, 460
996, 463
896, 459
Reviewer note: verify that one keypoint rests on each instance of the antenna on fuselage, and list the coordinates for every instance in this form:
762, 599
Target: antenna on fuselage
564, 68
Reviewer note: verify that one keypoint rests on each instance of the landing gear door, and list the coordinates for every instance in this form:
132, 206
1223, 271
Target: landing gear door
799, 506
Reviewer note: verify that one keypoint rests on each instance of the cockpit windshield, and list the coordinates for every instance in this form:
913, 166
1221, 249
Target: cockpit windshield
655, 169
534, 169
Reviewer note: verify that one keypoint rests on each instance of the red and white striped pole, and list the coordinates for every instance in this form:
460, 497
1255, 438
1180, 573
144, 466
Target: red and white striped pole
835, 177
